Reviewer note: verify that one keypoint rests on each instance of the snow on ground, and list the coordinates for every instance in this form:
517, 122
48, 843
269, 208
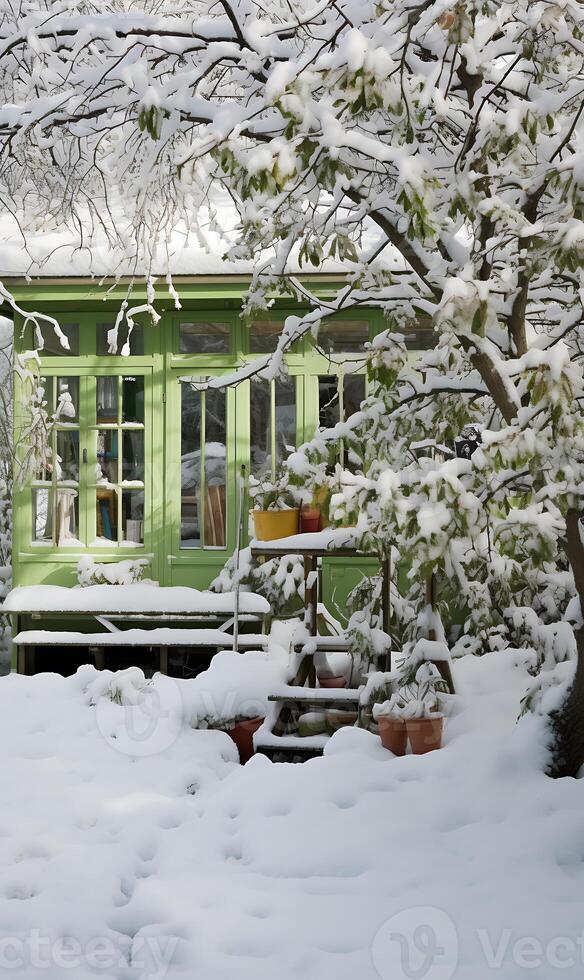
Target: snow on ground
134, 846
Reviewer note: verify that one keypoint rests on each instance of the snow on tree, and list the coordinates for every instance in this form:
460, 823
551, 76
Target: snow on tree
434, 150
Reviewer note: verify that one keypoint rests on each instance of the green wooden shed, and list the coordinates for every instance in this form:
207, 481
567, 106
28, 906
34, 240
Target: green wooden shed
146, 464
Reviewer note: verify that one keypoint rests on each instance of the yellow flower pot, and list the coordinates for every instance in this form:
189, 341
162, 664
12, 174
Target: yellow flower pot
272, 524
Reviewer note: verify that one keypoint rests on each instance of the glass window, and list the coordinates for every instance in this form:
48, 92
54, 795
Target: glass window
119, 459
260, 418
123, 341
272, 424
67, 462
107, 456
203, 467
133, 455
106, 500
106, 407
264, 336
50, 343
204, 338
107, 450
55, 515
353, 393
67, 406
133, 399
55, 505
339, 397
421, 338
343, 336
337, 401
328, 401
42, 514
133, 516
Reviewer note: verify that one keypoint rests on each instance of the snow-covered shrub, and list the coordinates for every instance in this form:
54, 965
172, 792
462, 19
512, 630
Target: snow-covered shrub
127, 572
274, 494
279, 580
548, 690
417, 696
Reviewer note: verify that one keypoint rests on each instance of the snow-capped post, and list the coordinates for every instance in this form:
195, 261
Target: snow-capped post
237, 578
431, 155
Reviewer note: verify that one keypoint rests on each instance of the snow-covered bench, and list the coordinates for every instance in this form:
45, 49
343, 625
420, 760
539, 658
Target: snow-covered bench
161, 638
141, 602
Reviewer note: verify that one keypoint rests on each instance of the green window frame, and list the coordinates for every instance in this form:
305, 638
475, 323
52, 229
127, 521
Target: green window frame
87, 428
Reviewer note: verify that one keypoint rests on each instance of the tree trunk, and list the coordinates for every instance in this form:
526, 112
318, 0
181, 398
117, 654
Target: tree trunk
567, 723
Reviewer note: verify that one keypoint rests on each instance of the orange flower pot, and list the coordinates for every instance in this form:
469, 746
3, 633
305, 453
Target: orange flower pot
309, 520
393, 734
425, 734
339, 681
242, 734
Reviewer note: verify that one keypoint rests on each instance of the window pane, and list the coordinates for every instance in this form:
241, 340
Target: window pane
107, 456
190, 534
67, 516
106, 517
328, 401
133, 516
353, 393
209, 512
264, 335
42, 514
107, 400
260, 429
122, 344
343, 336
68, 455
133, 455
215, 459
51, 344
133, 399
421, 339
204, 338
67, 409
285, 417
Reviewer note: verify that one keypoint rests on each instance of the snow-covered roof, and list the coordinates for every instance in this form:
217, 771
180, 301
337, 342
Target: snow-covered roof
55, 251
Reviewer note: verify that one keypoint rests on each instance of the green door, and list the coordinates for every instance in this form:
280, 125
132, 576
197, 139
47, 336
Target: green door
200, 471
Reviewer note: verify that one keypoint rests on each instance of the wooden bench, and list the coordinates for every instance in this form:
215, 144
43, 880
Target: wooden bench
162, 638
138, 603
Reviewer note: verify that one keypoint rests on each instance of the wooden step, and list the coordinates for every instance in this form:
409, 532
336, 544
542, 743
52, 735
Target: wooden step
324, 644
316, 695
309, 744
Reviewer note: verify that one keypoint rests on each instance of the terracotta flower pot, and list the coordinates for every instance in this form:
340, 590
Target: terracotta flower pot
273, 524
425, 734
393, 734
339, 681
340, 718
242, 734
309, 520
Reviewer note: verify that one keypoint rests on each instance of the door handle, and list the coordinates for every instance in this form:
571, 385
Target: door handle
85, 455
